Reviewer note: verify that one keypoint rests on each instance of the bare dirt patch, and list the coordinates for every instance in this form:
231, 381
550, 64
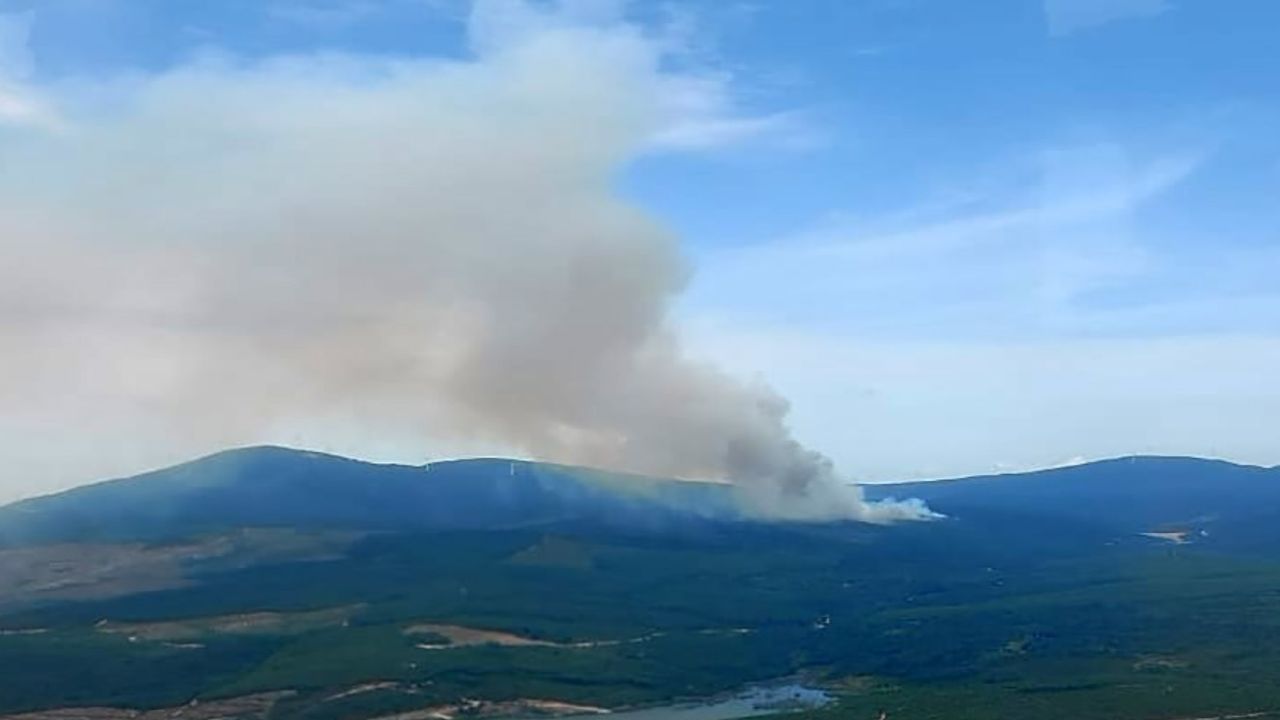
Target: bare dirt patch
247, 707
362, 689
523, 707
86, 571
459, 636
256, 623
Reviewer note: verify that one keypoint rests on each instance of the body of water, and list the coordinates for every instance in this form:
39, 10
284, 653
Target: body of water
753, 702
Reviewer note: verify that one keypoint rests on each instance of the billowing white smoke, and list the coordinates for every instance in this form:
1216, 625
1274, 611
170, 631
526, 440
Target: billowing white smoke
229, 247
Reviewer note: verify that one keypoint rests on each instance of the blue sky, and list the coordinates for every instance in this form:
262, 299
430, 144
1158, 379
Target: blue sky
893, 103
961, 237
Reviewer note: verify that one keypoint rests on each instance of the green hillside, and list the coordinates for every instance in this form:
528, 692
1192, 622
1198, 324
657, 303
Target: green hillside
1019, 615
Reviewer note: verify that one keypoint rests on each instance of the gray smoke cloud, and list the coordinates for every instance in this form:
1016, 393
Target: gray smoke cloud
414, 247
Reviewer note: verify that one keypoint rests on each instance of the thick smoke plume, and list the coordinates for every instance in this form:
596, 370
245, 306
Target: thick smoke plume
405, 246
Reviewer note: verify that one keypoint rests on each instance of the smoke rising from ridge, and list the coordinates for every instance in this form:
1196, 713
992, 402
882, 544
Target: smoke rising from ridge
229, 247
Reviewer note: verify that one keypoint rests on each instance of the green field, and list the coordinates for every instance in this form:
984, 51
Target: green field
1140, 631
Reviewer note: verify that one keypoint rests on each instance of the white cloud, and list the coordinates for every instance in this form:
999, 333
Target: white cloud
946, 342
895, 410
699, 113
1069, 16
1031, 267
20, 104
696, 108
17, 108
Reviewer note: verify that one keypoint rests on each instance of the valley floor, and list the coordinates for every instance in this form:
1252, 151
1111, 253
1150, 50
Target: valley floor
496, 625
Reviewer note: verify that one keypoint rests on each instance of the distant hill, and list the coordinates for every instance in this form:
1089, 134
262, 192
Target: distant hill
331, 588
1208, 499
280, 487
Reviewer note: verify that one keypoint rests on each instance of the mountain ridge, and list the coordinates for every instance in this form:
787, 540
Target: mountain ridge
1072, 570
269, 485
919, 482
275, 486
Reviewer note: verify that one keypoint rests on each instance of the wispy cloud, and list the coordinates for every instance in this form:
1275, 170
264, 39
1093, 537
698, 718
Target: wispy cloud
700, 113
698, 106
895, 410
18, 107
20, 104
1069, 16
1052, 323
1048, 261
